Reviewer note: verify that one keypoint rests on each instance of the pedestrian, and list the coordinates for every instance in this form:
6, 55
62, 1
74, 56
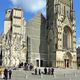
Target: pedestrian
28, 66
52, 71
45, 70
10, 73
41, 74
31, 66
49, 71
39, 71
5, 74
35, 71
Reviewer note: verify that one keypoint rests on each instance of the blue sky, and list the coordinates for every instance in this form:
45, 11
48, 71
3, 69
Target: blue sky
31, 7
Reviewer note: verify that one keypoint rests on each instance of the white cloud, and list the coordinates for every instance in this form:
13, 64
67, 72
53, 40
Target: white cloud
30, 5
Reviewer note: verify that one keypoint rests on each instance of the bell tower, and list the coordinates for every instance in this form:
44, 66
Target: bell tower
61, 30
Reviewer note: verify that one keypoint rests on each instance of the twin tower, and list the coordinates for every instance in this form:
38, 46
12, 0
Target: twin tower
49, 42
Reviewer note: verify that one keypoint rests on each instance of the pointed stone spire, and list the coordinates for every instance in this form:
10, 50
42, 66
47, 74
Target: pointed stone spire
71, 4
71, 10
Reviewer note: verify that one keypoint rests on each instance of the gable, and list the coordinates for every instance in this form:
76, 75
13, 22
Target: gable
67, 2
67, 21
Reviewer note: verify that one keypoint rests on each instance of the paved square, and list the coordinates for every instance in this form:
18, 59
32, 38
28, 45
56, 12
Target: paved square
59, 74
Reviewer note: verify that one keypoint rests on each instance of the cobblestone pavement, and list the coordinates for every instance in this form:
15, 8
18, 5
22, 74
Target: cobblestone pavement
59, 74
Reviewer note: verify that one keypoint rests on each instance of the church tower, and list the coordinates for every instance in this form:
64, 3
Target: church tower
61, 29
14, 52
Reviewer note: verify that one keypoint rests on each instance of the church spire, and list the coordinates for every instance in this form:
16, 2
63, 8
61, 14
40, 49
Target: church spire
71, 3
71, 10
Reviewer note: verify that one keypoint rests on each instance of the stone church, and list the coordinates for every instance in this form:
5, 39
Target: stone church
44, 42
61, 29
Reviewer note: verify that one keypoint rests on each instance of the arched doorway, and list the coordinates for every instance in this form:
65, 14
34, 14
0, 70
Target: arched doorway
67, 60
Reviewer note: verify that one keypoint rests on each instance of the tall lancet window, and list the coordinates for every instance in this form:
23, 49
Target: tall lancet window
67, 38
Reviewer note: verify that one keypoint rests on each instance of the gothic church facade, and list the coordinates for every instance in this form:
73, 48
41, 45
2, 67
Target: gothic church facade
61, 33
49, 42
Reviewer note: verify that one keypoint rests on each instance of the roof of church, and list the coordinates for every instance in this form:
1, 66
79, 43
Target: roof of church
37, 17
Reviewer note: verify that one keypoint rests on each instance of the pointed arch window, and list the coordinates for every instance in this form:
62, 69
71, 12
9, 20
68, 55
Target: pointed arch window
67, 38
